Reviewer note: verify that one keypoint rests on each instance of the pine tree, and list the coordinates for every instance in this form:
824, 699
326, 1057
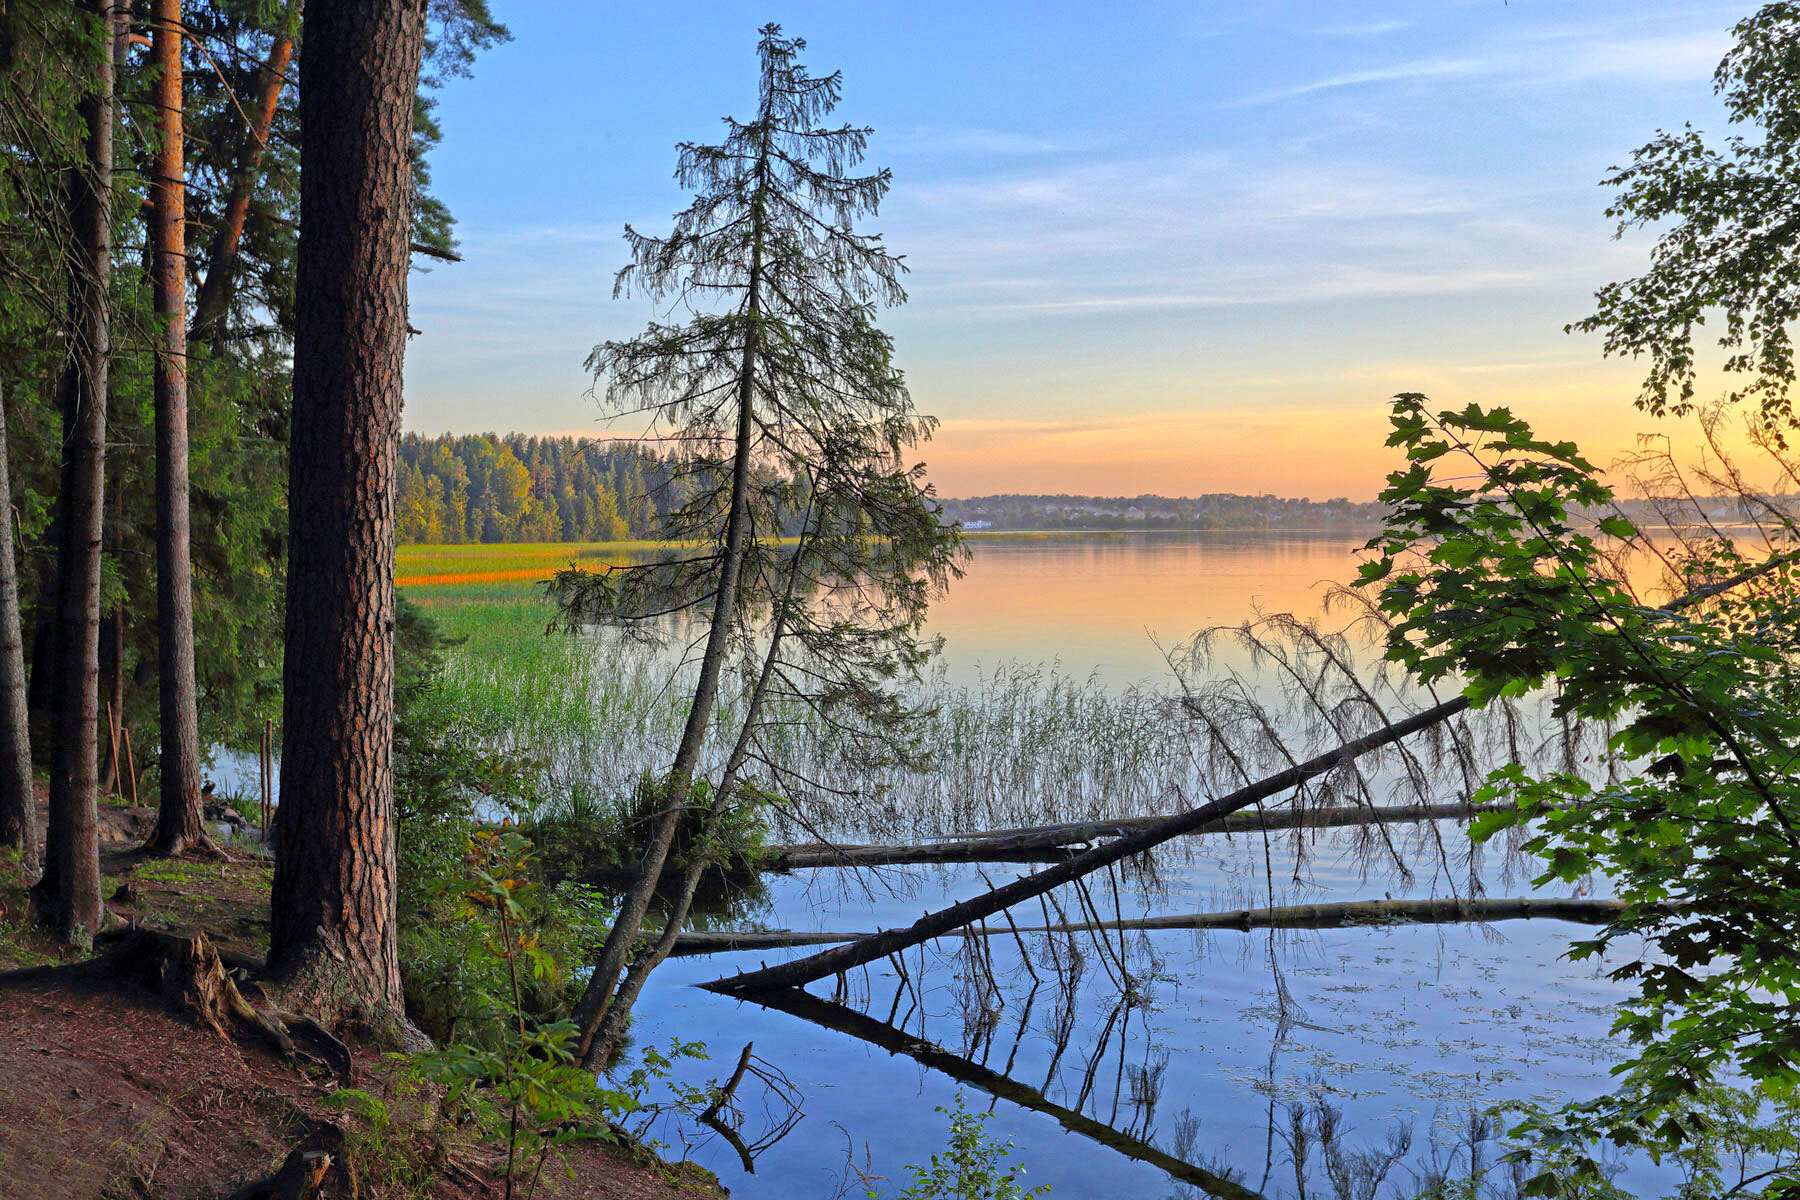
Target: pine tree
332, 937
179, 820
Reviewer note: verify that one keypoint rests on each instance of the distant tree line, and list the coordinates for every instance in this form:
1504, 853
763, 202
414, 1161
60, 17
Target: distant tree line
1217, 510
517, 488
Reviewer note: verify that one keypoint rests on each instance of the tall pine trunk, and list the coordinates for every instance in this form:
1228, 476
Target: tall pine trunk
18, 810
67, 896
179, 825
333, 923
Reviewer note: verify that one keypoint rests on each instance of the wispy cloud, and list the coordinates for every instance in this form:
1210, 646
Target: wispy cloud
1362, 29
1562, 55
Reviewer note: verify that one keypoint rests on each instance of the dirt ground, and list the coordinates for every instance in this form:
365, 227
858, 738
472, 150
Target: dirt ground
104, 1093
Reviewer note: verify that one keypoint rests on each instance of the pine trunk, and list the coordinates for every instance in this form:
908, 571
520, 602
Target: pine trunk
18, 810
179, 825
333, 936
67, 896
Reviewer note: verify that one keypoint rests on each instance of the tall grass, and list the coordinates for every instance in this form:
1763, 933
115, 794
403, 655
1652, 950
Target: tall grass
1021, 744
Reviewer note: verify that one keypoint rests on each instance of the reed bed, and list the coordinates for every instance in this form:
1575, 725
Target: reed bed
1021, 744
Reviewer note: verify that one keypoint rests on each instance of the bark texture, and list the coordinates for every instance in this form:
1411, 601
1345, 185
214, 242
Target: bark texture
179, 824
67, 896
18, 810
332, 940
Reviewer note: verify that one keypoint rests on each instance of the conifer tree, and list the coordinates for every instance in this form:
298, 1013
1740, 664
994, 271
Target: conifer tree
66, 896
790, 414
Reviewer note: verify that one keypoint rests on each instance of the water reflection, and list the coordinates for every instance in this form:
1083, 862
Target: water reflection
1103, 602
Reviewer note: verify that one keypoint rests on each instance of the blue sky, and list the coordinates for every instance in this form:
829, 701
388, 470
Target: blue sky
1153, 247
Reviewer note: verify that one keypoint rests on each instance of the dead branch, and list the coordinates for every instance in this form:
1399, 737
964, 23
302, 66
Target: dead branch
802, 971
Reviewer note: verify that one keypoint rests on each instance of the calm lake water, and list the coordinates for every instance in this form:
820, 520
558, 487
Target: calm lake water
1398, 1027
1104, 602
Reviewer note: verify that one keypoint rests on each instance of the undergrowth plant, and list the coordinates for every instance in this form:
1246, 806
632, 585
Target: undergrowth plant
973, 1166
520, 1082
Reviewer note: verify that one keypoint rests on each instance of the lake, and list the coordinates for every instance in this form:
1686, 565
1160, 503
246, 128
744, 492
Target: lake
1238, 1047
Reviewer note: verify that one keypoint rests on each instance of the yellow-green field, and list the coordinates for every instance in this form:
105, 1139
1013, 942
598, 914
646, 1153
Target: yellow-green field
437, 566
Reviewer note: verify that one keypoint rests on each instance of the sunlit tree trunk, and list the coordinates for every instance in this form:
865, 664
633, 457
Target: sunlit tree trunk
215, 290
179, 825
67, 896
333, 923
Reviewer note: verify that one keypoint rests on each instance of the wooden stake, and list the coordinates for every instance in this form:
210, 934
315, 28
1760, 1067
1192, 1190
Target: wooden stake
112, 730
130, 767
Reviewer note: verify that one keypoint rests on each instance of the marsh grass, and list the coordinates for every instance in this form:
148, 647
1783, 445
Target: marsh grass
1019, 745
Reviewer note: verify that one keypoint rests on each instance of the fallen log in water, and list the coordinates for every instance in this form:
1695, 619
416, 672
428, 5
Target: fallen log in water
1046, 843
1294, 916
1052, 843
801, 971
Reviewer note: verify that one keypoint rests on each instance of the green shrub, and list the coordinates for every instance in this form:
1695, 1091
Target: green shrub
517, 1079
972, 1167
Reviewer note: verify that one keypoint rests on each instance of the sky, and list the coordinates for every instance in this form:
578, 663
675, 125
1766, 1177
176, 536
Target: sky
1170, 248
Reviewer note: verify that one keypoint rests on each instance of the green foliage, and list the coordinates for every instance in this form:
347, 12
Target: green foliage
239, 366
447, 784
521, 1084
972, 1167
387, 1158
1495, 582
1730, 247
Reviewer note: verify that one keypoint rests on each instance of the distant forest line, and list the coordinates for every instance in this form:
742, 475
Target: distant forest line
458, 488
464, 488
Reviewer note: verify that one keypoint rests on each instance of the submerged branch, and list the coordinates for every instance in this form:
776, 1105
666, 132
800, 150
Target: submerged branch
1448, 910
840, 958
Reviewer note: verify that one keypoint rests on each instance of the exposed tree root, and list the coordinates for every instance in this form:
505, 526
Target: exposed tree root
198, 846
299, 1178
187, 972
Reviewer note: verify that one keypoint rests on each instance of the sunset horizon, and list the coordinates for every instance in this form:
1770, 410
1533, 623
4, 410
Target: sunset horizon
1211, 285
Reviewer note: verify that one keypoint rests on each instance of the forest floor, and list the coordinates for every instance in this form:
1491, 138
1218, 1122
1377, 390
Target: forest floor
107, 1095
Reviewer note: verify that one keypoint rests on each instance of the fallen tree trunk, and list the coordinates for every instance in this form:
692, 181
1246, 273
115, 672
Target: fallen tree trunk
1054, 842
802, 971
865, 1028
1294, 916
1044, 843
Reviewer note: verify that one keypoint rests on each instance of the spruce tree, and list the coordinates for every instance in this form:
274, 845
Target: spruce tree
790, 416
